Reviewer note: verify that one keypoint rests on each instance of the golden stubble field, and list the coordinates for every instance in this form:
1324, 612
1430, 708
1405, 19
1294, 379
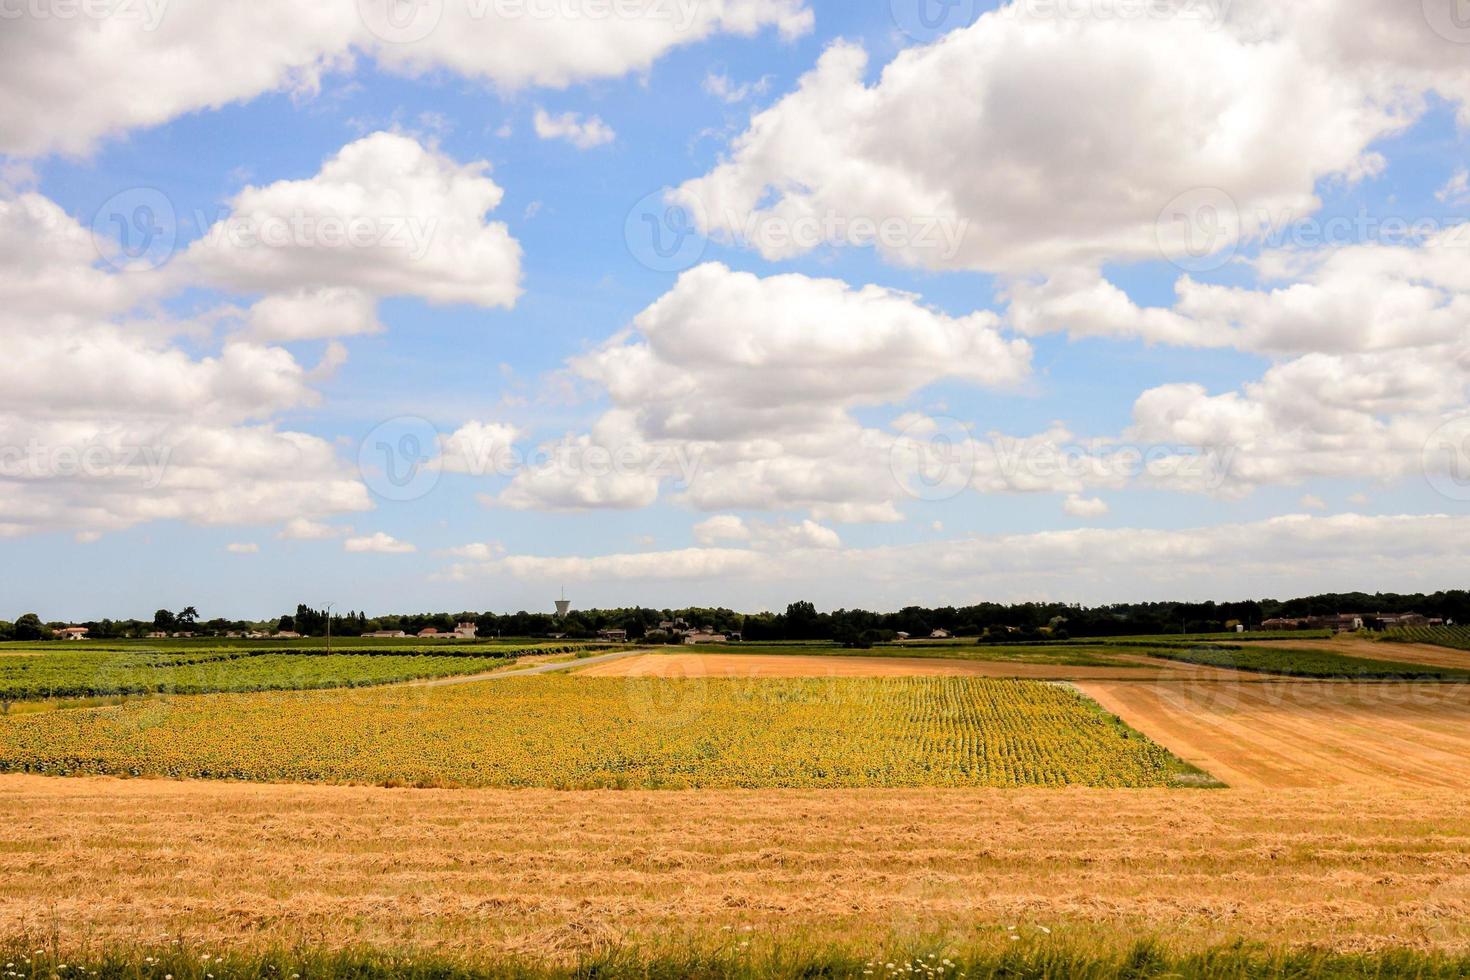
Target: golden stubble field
557, 873
1300, 734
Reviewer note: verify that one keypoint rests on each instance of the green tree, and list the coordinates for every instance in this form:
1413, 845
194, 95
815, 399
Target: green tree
187, 617
164, 621
30, 627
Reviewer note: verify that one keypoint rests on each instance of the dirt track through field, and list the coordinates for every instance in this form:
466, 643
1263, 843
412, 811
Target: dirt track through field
1283, 734
231, 864
748, 665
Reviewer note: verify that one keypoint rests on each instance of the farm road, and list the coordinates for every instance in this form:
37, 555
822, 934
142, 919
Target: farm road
545, 668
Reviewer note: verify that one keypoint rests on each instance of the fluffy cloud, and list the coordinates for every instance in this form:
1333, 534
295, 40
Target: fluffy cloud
1361, 297
1321, 415
1079, 506
386, 216
766, 535
106, 423
300, 529
1047, 136
293, 44
243, 549
723, 88
377, 544
729, 354
515, 43
313, 314
742, 388
584, 134
1288, 555
1456, 190
479, 448
692, 563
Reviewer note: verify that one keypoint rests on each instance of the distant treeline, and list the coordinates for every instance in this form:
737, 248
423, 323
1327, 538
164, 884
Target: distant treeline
802, 621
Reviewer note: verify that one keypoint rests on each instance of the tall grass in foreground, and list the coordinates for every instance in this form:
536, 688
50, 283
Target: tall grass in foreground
1022, 962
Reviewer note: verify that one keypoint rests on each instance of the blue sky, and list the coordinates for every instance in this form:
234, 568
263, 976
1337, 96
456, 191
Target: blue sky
567, 208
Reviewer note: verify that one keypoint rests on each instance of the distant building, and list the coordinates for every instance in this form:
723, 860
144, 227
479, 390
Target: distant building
701, 637
286, 635
386, 635
430, 633
466, 631
1388, 621
1340, 623
941, 635
613, 636
900, 635
156, 635
72, 633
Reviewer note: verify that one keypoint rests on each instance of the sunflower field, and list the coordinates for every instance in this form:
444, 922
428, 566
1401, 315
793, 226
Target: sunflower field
569, 732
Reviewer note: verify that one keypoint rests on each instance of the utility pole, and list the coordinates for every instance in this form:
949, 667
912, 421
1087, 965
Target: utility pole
329, 628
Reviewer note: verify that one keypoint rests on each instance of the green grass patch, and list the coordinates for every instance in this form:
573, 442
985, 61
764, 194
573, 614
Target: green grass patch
737, 960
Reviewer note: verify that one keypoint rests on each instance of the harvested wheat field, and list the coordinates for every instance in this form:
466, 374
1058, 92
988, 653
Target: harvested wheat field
233, 865
1303, 734
755, 665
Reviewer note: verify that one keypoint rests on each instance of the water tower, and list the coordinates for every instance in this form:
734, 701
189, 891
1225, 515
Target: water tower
563, 605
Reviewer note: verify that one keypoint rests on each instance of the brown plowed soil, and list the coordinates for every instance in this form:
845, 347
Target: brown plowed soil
231, 864
1286, 734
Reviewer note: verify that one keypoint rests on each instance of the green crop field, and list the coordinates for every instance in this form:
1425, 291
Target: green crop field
572, 732
1309, 663
308, 644
68, 672
1453, 637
